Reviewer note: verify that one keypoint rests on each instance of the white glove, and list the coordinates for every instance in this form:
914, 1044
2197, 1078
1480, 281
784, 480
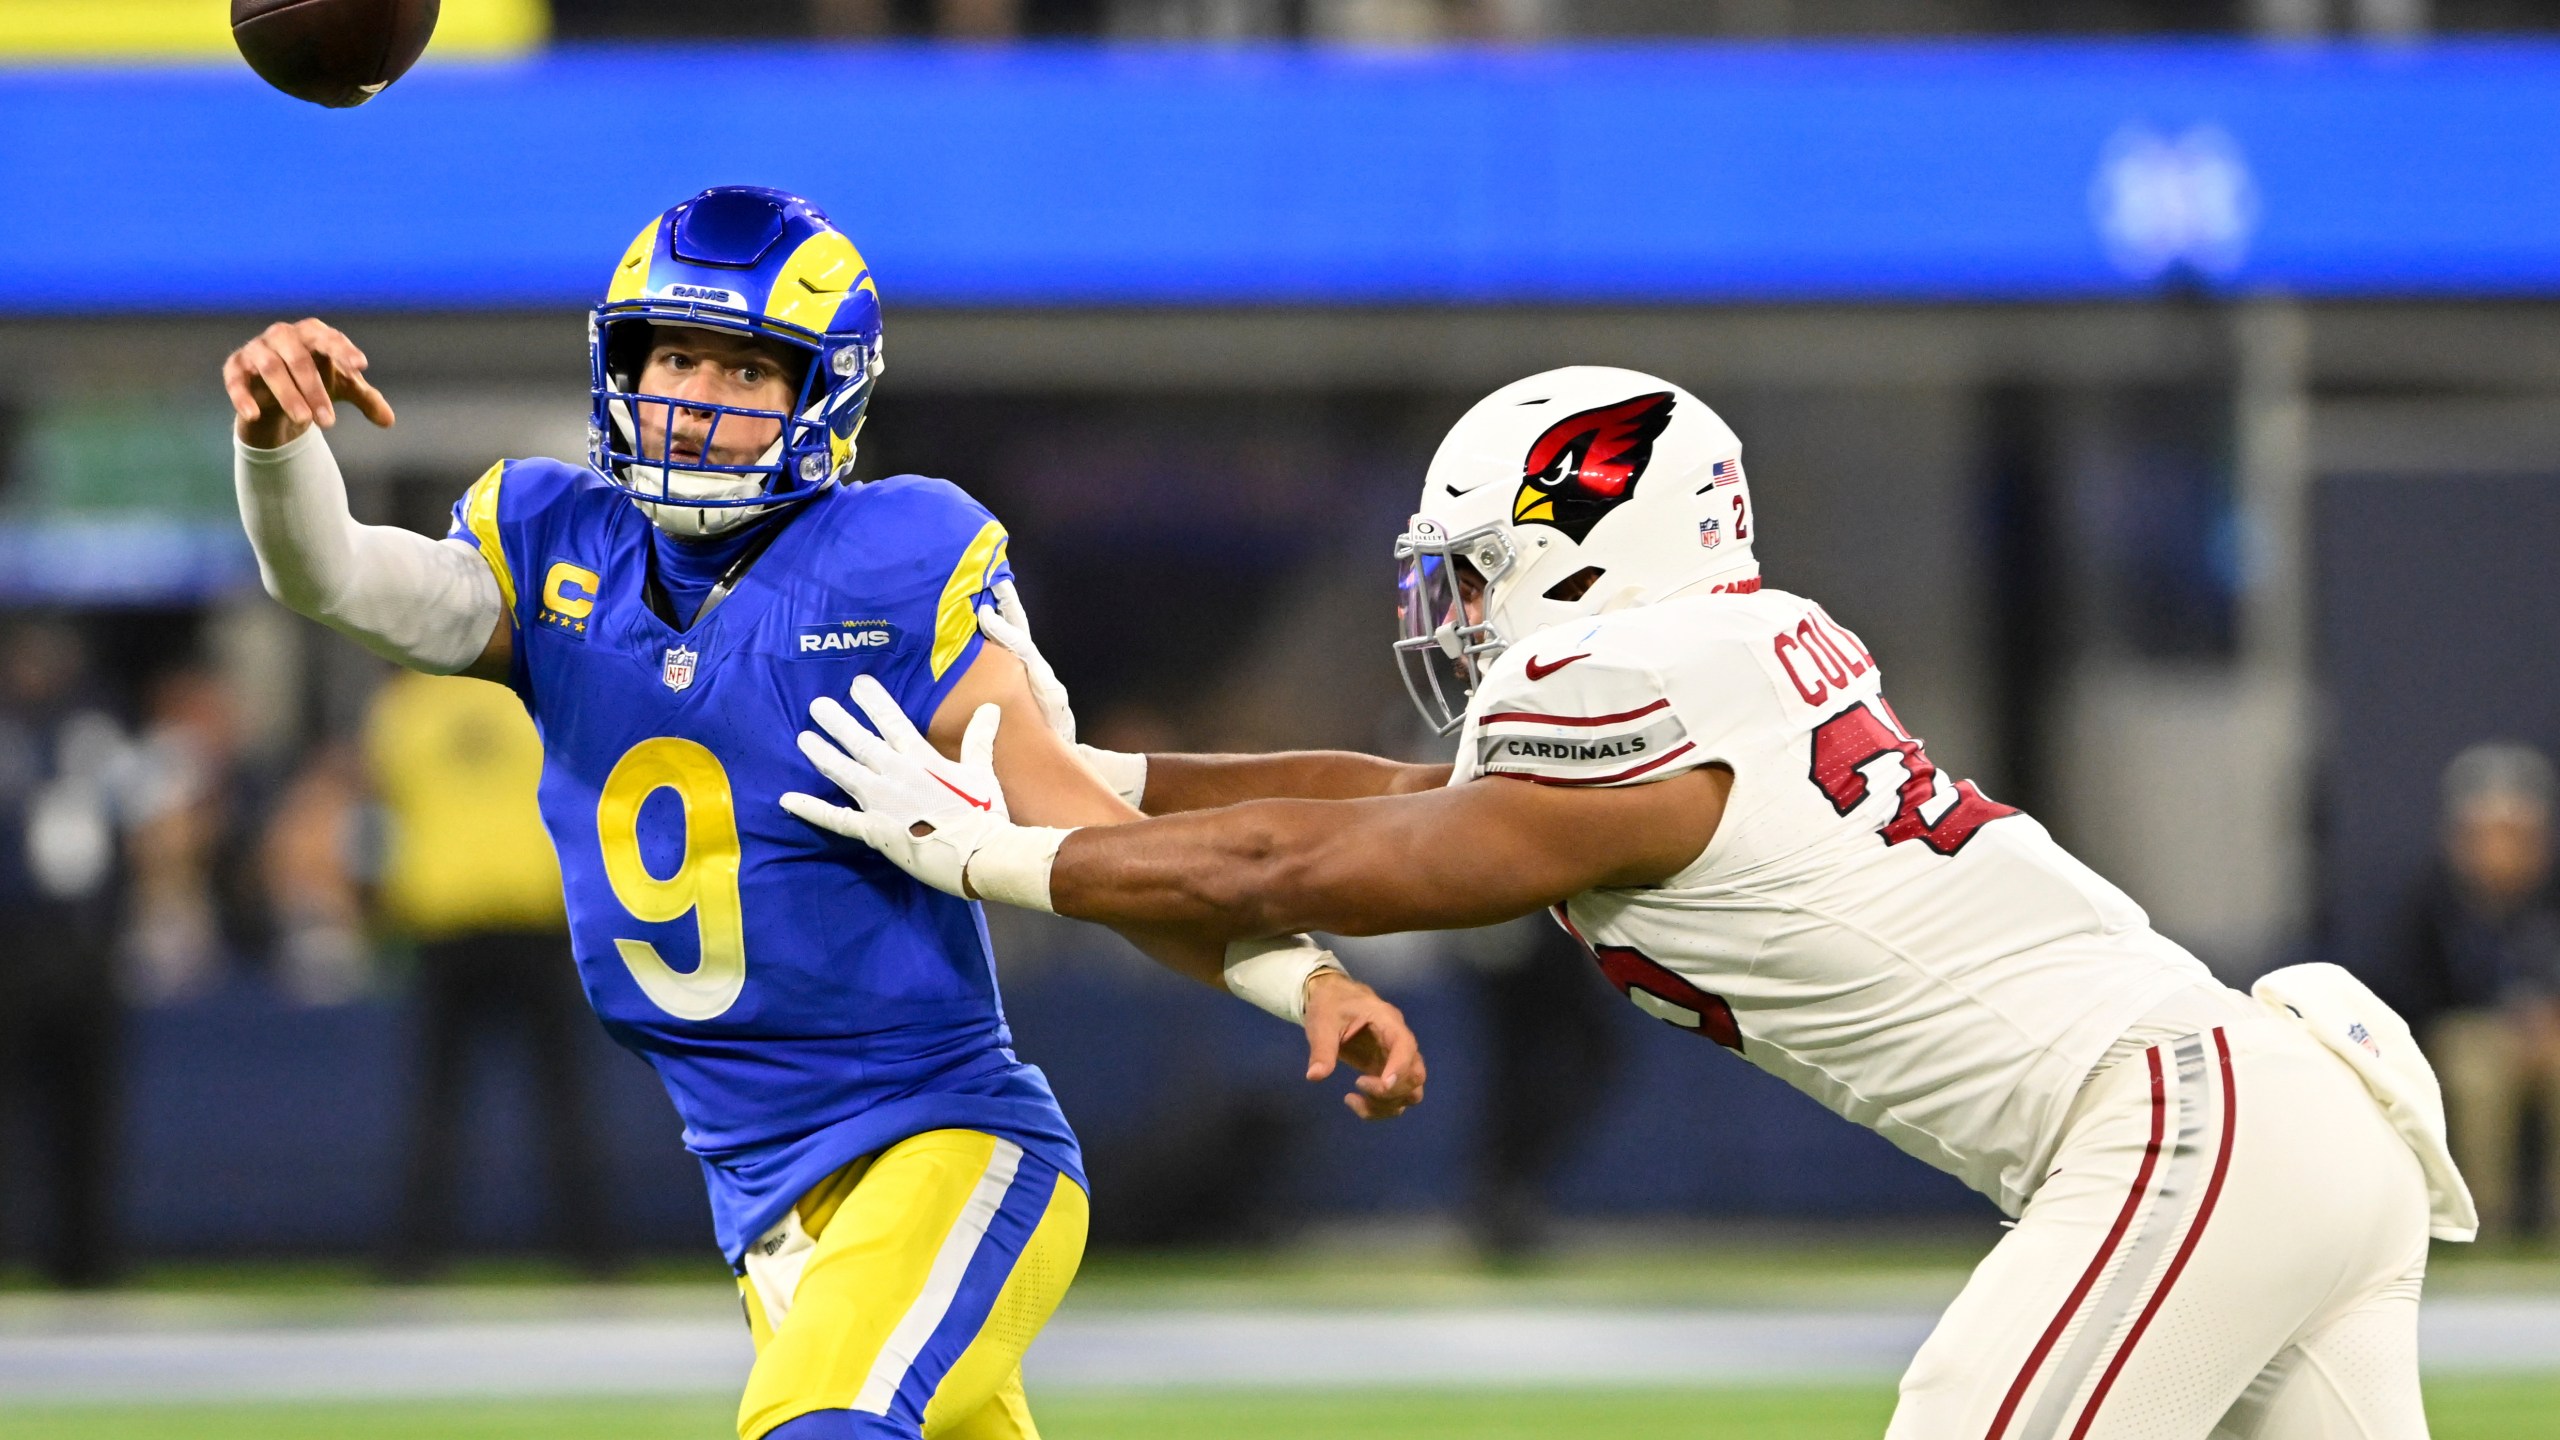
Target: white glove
930, 816
1005, 624
1125, 773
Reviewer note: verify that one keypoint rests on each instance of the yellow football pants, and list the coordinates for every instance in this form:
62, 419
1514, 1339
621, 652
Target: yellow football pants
898, 1297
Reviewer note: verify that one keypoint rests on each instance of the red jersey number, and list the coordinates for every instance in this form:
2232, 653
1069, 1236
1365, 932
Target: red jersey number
1856, 737
1658, 991
1667, 997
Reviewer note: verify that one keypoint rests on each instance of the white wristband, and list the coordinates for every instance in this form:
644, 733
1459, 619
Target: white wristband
1273, 974
1125, 774
1012, 867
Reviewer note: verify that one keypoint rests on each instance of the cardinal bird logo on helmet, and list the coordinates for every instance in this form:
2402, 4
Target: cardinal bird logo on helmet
1586, 465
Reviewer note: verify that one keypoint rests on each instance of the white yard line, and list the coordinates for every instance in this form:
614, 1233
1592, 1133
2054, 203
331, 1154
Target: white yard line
1133, 1349
620, 1357
1474, 1347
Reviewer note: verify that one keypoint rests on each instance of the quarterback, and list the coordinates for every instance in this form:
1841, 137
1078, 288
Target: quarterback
2221, 1203
899, 1194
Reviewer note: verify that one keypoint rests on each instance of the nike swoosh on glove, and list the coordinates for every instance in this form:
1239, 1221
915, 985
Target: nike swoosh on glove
928, 815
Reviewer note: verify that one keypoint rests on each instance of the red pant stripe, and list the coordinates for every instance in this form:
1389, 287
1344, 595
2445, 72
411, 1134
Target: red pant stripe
2098, 1263
2186, 1247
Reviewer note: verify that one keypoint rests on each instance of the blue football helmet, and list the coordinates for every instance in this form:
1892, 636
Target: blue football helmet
756, 262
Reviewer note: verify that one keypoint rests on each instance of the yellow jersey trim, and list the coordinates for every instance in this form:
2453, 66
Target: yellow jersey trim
957, 619
480, 513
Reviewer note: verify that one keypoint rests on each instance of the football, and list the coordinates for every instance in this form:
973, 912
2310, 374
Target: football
332, 52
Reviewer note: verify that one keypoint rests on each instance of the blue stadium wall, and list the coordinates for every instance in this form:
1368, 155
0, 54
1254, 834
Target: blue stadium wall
255, 1127
1156, 175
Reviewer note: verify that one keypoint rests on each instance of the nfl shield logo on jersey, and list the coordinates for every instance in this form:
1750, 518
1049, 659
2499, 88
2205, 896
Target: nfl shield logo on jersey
678, 671
1710, 533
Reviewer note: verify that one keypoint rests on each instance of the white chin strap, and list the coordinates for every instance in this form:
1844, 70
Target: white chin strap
694, 520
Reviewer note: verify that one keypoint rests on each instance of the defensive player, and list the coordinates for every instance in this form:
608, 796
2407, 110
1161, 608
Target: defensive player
2219, 1229
899, 1193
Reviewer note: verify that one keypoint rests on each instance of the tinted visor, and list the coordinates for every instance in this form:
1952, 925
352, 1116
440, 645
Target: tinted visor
1440, 650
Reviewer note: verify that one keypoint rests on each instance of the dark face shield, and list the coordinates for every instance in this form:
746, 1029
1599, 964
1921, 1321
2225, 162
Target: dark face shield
1444, 640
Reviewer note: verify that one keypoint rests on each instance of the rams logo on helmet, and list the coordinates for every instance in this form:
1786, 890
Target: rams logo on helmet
1587, 464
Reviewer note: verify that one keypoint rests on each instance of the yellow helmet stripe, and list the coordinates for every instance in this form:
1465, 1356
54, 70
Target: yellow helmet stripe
816, 280
631, 275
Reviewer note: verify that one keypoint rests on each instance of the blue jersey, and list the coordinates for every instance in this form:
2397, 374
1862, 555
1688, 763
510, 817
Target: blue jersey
804, 1001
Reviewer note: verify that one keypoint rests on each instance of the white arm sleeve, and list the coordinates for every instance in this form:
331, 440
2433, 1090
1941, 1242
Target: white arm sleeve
428, 604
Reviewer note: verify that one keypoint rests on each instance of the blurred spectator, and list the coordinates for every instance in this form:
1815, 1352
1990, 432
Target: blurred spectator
196, 899
952, 19
66, 788
1551, 1049
471, 876
313, 848
2485, 963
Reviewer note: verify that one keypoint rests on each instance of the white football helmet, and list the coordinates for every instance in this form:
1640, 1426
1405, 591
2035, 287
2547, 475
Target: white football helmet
1566, 494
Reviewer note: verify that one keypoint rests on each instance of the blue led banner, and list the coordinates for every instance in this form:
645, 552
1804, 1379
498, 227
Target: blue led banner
1149, 176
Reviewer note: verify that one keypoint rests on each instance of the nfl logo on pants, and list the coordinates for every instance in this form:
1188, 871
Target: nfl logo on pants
678, 670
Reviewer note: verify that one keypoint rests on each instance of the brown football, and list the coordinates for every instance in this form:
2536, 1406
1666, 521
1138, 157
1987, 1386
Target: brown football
332, 52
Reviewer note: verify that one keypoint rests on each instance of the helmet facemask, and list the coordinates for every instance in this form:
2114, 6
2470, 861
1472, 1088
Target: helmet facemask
1569, 494
700, 497
747, 262
1447, 633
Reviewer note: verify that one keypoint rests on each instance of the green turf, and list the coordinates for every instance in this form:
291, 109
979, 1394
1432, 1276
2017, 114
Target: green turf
2485, 1409
2464, 1409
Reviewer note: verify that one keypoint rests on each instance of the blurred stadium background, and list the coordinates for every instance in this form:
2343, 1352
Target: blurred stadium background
2164, 388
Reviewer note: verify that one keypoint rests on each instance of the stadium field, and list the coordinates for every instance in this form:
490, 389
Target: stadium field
2468, 1408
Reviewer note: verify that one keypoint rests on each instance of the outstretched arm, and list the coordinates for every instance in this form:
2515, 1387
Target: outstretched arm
1173, 784
1180, 783
1465, 855
1045, 784
428, 604
1468, 855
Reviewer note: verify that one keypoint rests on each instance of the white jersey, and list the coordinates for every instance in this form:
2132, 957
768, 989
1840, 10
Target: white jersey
1916, 956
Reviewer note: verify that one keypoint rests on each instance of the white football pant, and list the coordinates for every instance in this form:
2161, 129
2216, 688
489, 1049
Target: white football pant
2230, 1245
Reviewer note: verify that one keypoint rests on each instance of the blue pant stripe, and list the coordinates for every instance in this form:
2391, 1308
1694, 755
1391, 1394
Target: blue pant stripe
1025, 1202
